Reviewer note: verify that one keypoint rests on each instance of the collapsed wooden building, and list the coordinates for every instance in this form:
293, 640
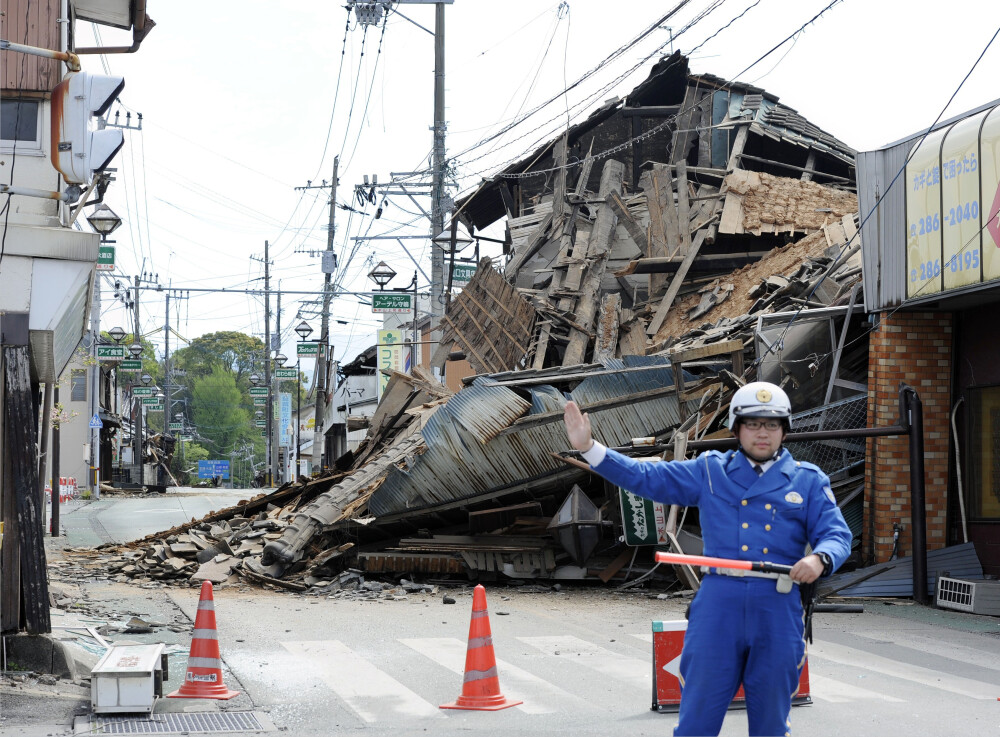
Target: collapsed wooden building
693, 236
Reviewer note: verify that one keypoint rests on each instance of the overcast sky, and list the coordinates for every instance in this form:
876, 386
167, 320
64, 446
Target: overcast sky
241, 104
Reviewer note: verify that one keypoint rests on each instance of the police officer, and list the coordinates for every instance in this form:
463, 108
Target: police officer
756, 503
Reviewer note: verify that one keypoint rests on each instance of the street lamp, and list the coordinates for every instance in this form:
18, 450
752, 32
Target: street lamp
117, 334
135, 349
381, 275
104, 221
255, 379
280, 358
304, 330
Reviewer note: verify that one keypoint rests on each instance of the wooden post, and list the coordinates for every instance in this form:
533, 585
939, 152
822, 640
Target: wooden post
594, 264
19, 424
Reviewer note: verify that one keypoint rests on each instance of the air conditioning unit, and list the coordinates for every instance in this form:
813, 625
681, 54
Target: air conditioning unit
979, 596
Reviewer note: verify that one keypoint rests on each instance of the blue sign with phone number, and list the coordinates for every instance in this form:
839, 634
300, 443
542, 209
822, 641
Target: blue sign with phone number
211, 469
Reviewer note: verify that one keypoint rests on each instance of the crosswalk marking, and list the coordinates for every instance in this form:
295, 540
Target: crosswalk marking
374, 695
539, 696
822, 688
914, 673
634, 672
362, 686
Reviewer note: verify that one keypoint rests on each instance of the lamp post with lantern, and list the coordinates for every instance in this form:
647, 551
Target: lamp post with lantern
104, 221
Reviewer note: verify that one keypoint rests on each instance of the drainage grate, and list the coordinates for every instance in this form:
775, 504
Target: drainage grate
188, 723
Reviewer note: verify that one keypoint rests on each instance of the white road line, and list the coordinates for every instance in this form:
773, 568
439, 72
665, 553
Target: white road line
822, 688
539, 696
362, 686
914, 673
632, 671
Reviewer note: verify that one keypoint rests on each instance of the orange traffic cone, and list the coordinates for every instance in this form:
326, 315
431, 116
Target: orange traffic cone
203, 679
481, 688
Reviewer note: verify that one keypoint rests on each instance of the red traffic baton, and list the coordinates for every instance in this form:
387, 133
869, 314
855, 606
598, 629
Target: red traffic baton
681, 559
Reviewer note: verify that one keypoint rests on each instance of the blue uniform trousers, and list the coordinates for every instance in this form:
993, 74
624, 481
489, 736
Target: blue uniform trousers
741, 630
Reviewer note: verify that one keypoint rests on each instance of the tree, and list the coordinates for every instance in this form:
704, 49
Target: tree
236, 352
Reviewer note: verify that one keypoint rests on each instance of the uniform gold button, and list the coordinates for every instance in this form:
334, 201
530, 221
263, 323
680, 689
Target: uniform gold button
744, 502
767, 506
745, 525
765, 550
767, 527
744, 548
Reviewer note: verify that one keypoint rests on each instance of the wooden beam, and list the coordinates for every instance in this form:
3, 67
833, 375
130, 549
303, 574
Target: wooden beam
632, 227
667, 302
704, 351
19, 439
683, 208
607, 327
597, 259
530, 248
706, 262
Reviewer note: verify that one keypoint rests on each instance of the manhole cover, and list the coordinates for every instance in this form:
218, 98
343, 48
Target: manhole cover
198, 723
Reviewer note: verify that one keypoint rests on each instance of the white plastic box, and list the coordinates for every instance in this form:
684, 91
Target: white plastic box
128, 679
979, 596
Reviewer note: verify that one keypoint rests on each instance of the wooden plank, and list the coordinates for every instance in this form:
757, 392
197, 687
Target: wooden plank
675, 285
616, 565
810, 167
704, 351
501, 364
468, 345
585, 169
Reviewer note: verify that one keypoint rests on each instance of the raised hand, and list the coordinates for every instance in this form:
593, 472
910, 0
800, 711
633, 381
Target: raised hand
577, 427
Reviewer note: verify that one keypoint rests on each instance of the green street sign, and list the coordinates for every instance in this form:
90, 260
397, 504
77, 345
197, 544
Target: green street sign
149, 401
154, 407
130, 364
308, 349
392, 302
260, 423
175, 426
142, 391
263, 433
462, 274
105, 258
258, 391
285, 373
185, 437
260, 401
110, 353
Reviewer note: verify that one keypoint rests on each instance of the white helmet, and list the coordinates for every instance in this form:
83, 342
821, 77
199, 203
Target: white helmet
759, 399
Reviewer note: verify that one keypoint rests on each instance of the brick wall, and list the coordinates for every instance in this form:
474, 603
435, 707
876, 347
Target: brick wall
915, 348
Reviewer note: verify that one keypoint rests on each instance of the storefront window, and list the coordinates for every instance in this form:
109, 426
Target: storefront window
983, 439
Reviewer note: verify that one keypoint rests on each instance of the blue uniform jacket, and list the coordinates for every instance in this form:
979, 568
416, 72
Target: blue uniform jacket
745, 516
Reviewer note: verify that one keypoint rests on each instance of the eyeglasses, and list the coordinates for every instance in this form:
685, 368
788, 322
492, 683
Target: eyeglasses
754, 425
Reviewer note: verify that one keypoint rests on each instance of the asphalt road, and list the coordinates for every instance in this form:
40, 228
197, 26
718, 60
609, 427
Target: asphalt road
578, 658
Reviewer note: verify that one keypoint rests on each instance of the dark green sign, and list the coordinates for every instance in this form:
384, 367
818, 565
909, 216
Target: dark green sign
149, 401
142, 391
392, 302
462, 274
285, 373
260, 423
105, 258
110, 353
644, 522
176, 426
130, 364
308, 349
258, 391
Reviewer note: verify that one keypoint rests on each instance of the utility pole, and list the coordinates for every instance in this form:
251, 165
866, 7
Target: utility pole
271, 451
272, 391
437, 195
137, 421
324, 332
166, 369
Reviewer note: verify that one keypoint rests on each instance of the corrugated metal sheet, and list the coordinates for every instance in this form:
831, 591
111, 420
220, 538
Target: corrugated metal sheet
958, 561
477, 445
883, 232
